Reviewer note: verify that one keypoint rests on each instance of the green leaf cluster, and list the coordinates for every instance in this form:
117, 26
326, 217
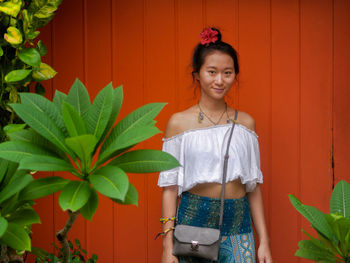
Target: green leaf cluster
333, 229
72, 134
20, 53
18, 189
77, 254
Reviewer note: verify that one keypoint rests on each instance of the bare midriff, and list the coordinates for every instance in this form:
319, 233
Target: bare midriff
233, 190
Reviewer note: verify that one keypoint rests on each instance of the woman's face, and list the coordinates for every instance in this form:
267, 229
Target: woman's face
216, 75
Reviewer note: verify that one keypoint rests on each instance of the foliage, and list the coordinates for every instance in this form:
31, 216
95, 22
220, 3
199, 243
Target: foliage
71, 134
77, 255
333, 229
17, 214
20, 53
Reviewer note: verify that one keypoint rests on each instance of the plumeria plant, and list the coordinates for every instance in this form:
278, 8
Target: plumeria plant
333, 229
71, 134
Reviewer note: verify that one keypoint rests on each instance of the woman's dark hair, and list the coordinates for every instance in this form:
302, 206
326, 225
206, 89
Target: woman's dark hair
201, 51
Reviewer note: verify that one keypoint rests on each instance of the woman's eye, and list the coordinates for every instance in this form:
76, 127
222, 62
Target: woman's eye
211, 72
228, 72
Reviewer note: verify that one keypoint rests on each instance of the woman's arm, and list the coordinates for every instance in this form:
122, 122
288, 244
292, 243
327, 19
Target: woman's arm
169, 200
257, 210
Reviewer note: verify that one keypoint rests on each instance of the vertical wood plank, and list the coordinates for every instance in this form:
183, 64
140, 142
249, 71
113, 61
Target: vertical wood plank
159, 73
315, 118
285, 129
341, 110
315, 114
130, 232
98, 74
255, 81
189, 13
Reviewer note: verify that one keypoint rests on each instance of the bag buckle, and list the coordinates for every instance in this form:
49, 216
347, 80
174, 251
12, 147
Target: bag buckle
194, 245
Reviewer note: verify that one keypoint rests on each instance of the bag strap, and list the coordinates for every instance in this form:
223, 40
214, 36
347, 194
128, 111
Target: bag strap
225, 172
223, 177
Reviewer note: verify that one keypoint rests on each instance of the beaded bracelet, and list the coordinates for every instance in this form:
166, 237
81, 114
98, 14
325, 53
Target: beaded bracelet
164, 220
164, 232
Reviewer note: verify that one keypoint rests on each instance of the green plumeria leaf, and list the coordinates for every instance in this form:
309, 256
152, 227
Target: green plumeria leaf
129, 138
313, 215
110, 181
16, 237
15, 186
74, 123
24, 216
145, 161
134, 121
3, 225
59, 98
78, 97
11, 128
74, 195
30, 56
13, 36
309, 250
117, 104
44, 105
42, 124
15, 151
31, 136
17, 75
42, 187
340, 199
45, 163
89, 209
131, 197
1, 51
82, 146
45, 72
100, 112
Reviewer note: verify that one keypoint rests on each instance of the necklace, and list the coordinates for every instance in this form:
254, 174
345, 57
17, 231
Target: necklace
202, 114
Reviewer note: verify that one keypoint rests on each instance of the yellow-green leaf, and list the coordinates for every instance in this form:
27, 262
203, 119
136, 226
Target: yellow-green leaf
45, 72
13, 36
11, 8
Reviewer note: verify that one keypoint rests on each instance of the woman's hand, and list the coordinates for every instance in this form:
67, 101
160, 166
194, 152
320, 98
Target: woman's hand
264, 253
168, 257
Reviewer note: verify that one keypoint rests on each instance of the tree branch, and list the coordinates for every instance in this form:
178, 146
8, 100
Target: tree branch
62, 234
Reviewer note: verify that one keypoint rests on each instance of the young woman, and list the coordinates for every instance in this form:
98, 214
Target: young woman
197, 137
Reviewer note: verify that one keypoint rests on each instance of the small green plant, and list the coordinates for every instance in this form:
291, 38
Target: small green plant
77, 254
20, 52
16, 212
333, 229
71, 134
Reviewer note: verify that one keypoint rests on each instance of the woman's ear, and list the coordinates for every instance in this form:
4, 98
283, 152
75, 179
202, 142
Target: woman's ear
196, 76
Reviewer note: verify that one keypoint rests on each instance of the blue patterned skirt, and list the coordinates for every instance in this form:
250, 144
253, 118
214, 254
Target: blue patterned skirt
237, 244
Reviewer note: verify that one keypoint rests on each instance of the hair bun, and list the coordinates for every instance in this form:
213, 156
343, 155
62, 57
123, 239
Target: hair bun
219, 36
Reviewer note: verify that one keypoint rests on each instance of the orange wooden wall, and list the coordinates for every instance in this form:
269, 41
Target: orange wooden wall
294, 81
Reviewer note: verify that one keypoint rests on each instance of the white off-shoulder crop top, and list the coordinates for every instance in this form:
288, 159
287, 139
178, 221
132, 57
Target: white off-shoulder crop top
201, 155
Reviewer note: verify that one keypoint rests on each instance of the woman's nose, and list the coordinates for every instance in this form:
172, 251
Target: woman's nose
218, 79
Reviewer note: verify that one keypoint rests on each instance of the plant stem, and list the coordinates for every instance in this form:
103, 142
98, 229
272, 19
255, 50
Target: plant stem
62, 235
3, 254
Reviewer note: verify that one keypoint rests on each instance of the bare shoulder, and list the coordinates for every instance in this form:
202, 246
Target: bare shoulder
246, 120
179, 122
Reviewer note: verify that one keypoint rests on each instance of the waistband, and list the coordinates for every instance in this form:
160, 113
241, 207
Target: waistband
195, 210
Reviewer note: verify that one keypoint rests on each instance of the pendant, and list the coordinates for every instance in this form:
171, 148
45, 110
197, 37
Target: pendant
228, 121
200, 117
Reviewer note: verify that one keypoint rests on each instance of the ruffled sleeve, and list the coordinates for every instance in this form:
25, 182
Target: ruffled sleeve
250, 160
171, 177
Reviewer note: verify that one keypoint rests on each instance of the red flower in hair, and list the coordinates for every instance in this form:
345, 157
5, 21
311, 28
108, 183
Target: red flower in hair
208, 35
